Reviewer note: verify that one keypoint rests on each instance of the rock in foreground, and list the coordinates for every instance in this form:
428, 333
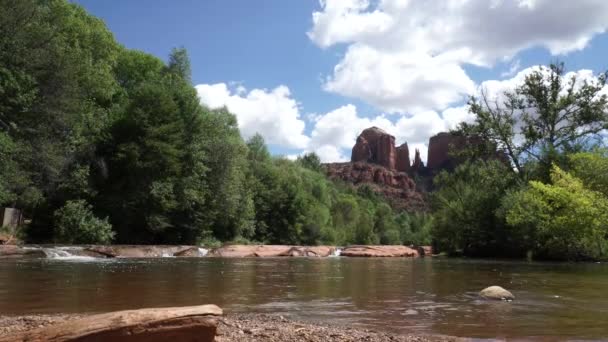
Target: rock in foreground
254, 328
379, 251
193, 323
496, 293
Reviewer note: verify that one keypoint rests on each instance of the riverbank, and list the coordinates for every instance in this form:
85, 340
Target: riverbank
227, 251
250, 327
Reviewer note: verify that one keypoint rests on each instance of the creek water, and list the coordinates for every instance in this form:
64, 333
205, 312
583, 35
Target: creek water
425, 295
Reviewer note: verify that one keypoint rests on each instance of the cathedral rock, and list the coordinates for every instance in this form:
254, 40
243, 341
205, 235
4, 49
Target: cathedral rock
378, 163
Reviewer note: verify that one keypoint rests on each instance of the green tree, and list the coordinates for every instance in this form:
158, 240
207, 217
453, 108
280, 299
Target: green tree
75, 223
592, 169
311, 161
550, 113
570, 221
465, 209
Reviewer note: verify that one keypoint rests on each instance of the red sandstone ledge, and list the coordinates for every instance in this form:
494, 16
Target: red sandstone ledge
228, 251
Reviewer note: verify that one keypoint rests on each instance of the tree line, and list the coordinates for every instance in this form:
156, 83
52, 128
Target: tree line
548, 196
103, 144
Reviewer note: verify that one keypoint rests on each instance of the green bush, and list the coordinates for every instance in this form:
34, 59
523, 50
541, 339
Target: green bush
569, 221
75, 223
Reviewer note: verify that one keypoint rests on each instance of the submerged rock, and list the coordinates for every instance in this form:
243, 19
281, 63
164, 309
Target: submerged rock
496, 293
193, 323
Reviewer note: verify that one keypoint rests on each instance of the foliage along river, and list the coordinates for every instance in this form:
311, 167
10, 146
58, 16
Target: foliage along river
425, 295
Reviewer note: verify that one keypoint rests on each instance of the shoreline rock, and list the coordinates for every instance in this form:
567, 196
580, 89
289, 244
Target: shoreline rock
192, 323
379, 251
227, 251
238, 327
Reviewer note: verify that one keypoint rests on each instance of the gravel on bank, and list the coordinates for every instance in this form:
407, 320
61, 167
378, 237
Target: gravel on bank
250, 327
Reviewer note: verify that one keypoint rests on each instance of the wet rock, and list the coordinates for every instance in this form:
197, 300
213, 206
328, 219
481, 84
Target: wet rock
134, 251
265, 251
12, 251
425, 250
378, 251
194, 323
496, 293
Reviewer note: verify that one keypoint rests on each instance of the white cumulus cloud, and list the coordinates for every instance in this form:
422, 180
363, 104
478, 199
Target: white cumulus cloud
407, 56
272, 113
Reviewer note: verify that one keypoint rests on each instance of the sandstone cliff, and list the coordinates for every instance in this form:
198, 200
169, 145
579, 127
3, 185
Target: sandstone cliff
375, 146
376, 162
397, 187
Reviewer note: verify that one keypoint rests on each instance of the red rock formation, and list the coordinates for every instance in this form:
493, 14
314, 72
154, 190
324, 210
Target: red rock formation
397, 187
417, 164
403, 158
375, 146
441, 149
361, 150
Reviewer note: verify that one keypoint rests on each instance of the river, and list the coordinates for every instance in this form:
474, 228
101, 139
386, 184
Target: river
425, 295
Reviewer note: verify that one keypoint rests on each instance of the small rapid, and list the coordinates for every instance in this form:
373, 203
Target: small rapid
66, 254
337, 252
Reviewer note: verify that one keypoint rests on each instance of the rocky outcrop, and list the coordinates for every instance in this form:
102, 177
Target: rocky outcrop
378, 251
243, 251
397, 187
496, 293
134, 251
194, 323
442, 148
402, 162
417, 165
375, 146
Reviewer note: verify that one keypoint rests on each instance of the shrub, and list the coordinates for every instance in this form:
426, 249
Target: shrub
76, 223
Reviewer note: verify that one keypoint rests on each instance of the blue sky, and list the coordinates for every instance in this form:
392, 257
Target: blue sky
400, 65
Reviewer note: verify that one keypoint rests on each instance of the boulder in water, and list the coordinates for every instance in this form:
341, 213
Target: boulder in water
496, 293
193, 323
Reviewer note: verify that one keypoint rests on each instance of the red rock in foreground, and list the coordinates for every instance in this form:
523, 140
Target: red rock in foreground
379, 251
193, 323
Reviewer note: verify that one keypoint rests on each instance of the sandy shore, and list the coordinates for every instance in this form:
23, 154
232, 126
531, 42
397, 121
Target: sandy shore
249, 327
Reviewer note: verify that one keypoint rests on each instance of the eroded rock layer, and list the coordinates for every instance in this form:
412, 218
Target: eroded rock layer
397, 187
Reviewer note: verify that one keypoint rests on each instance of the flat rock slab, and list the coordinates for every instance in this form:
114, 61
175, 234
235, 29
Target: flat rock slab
133, 251
13, 251
243, 251
378, 251
192, 323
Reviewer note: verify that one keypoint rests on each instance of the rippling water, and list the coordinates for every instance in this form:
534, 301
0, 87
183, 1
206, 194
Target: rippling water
401, 295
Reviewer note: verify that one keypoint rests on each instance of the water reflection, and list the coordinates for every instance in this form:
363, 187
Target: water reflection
426, 295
